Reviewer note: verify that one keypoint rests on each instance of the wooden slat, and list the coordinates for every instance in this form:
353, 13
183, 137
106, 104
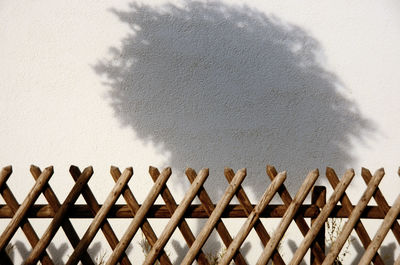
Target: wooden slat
23, 209
381, 233
382, 203
140, 215
26, 226
209, 208
347, 205
94, 207
215, 216
354, 216
5, 259
55, 205
100, 217
176, 217
318, 198
288, 217
59, 217
252, 218
299, 218
122, 211
258, 226
5, 173
172, 206
134, 206
321, 219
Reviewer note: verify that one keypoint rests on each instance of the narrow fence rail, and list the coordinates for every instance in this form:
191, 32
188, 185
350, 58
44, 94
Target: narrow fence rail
292, 209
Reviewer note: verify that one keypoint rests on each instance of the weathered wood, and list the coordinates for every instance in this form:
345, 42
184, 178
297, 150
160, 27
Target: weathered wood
301, 223
23, 209
258, 226
382, 203
26, 226
252, 218
134, 206
140, 215
209, 208
159, 211
59, 217
94, 207
354, 216
5, 259
288, 217
55, 205
321, 219
5, 173
215, 216
318, 198
381, 233
348, 207
172, 206
176, 217
100, 217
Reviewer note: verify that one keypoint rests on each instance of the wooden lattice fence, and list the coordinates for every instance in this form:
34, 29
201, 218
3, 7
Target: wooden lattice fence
292, 209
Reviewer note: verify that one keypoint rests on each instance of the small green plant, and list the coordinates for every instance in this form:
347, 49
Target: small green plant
101, 259
333, 228
146, 247
215, 258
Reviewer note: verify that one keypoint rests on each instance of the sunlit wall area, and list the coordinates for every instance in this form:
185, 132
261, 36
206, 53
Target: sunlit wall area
199, 84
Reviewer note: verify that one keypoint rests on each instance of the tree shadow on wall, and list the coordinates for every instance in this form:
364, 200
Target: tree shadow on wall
217, 85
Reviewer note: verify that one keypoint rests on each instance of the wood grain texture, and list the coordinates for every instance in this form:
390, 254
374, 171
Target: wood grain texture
100, 217
354, 217
139, 217
176, 217
252, 218
215, 216
320, 220
23, 209
288, 217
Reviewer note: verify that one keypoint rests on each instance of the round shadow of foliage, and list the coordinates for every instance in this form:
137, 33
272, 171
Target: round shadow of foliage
217, 85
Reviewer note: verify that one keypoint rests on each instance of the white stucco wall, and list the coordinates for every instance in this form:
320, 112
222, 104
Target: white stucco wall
200, 84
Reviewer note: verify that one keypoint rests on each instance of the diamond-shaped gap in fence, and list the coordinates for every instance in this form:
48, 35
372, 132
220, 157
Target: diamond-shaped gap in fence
389, 249
214, 248
59, 247
251, 247
99, 249
176, 247
19, 248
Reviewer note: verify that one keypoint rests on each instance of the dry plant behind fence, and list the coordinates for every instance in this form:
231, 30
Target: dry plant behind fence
293, 208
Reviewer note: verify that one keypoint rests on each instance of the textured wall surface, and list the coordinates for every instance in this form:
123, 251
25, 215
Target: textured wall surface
199, 84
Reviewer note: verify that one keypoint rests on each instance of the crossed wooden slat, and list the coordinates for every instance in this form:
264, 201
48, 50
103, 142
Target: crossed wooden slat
95, 208
299, 220
248, 208
172, 206
209, 207
348, 206
177, 211
27, 228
